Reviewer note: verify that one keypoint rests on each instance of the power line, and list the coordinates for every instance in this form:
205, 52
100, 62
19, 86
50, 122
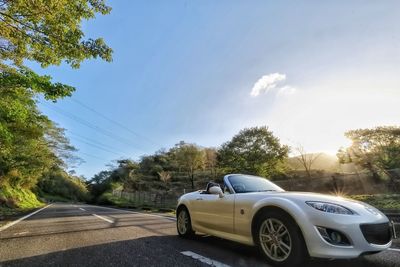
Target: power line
96, 146
96, 157
90, 125
115, 122
75, 135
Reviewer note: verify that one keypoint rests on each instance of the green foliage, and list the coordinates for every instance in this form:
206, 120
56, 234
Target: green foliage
49, 31
26, 78
124, 173
189, 165
376, 150
32, 147
190, 158
30, 144
253, 151
23, 150
382, 201
151, 165
17, 197
58, 182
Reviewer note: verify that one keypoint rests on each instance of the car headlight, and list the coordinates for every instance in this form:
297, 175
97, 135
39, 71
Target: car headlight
329, 207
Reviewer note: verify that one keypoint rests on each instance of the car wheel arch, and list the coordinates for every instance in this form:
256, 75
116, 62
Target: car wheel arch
262, 210
182, 206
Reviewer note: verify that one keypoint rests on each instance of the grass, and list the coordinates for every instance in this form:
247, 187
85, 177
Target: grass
381, 201
18, 198
14, 201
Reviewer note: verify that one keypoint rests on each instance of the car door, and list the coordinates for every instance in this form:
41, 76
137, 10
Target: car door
215, 213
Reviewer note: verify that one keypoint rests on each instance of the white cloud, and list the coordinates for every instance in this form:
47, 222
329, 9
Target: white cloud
266, 83
287, 90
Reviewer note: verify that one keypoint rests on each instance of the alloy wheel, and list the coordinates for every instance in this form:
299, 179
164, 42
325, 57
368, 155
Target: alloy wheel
183, 221
275, 239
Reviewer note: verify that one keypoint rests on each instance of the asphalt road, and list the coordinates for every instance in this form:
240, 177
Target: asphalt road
83, 235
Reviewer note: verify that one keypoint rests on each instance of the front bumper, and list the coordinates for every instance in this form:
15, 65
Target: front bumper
364, 237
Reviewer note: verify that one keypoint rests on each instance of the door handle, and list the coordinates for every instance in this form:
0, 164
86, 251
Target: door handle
199, 198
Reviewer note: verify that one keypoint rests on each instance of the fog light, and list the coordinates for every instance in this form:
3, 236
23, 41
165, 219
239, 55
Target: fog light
333, 237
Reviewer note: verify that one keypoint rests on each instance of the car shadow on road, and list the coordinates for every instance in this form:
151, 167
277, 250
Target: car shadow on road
242, 255
166, 251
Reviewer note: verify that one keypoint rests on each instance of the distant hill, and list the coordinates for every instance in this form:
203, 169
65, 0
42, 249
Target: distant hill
324, 162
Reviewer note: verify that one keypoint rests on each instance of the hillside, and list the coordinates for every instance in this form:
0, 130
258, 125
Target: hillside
323, 161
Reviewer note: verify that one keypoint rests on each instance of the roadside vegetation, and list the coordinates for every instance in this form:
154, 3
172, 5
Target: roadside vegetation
34, 152
357, 172
388, 202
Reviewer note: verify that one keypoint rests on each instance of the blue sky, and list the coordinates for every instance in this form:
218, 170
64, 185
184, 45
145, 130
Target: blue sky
200, 71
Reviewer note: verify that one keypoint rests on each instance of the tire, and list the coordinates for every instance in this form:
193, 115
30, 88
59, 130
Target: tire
183, 223
279, 239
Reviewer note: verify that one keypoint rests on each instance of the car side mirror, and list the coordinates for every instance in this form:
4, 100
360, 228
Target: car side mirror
216, 190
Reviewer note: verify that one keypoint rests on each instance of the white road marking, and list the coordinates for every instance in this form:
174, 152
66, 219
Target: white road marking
23, 218
394, 249
135, 212
22, 233
82, 209
101, 217
203, 259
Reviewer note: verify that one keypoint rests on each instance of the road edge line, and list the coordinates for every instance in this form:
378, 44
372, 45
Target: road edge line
4, 227
394, 249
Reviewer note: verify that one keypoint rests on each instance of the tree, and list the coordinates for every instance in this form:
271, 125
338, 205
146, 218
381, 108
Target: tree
25, 78
99, 184
210, 161
377, 149
153, 164
57, 182
306, 159
49, 32
165, 177
253, 151
30, 143
190, 157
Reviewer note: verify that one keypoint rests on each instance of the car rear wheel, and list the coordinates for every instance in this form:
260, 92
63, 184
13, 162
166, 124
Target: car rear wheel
183, 223
280, 239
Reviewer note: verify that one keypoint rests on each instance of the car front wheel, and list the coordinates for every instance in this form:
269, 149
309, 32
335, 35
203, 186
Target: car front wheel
280, 239
183, 223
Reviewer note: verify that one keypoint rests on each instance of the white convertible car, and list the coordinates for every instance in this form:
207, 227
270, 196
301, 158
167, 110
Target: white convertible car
288, 227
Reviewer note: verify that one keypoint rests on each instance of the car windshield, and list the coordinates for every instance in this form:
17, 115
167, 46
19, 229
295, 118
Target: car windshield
248, 183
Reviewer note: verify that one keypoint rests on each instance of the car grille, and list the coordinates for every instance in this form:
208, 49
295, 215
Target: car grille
376, 233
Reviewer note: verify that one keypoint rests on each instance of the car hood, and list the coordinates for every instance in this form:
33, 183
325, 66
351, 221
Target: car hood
354, 205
